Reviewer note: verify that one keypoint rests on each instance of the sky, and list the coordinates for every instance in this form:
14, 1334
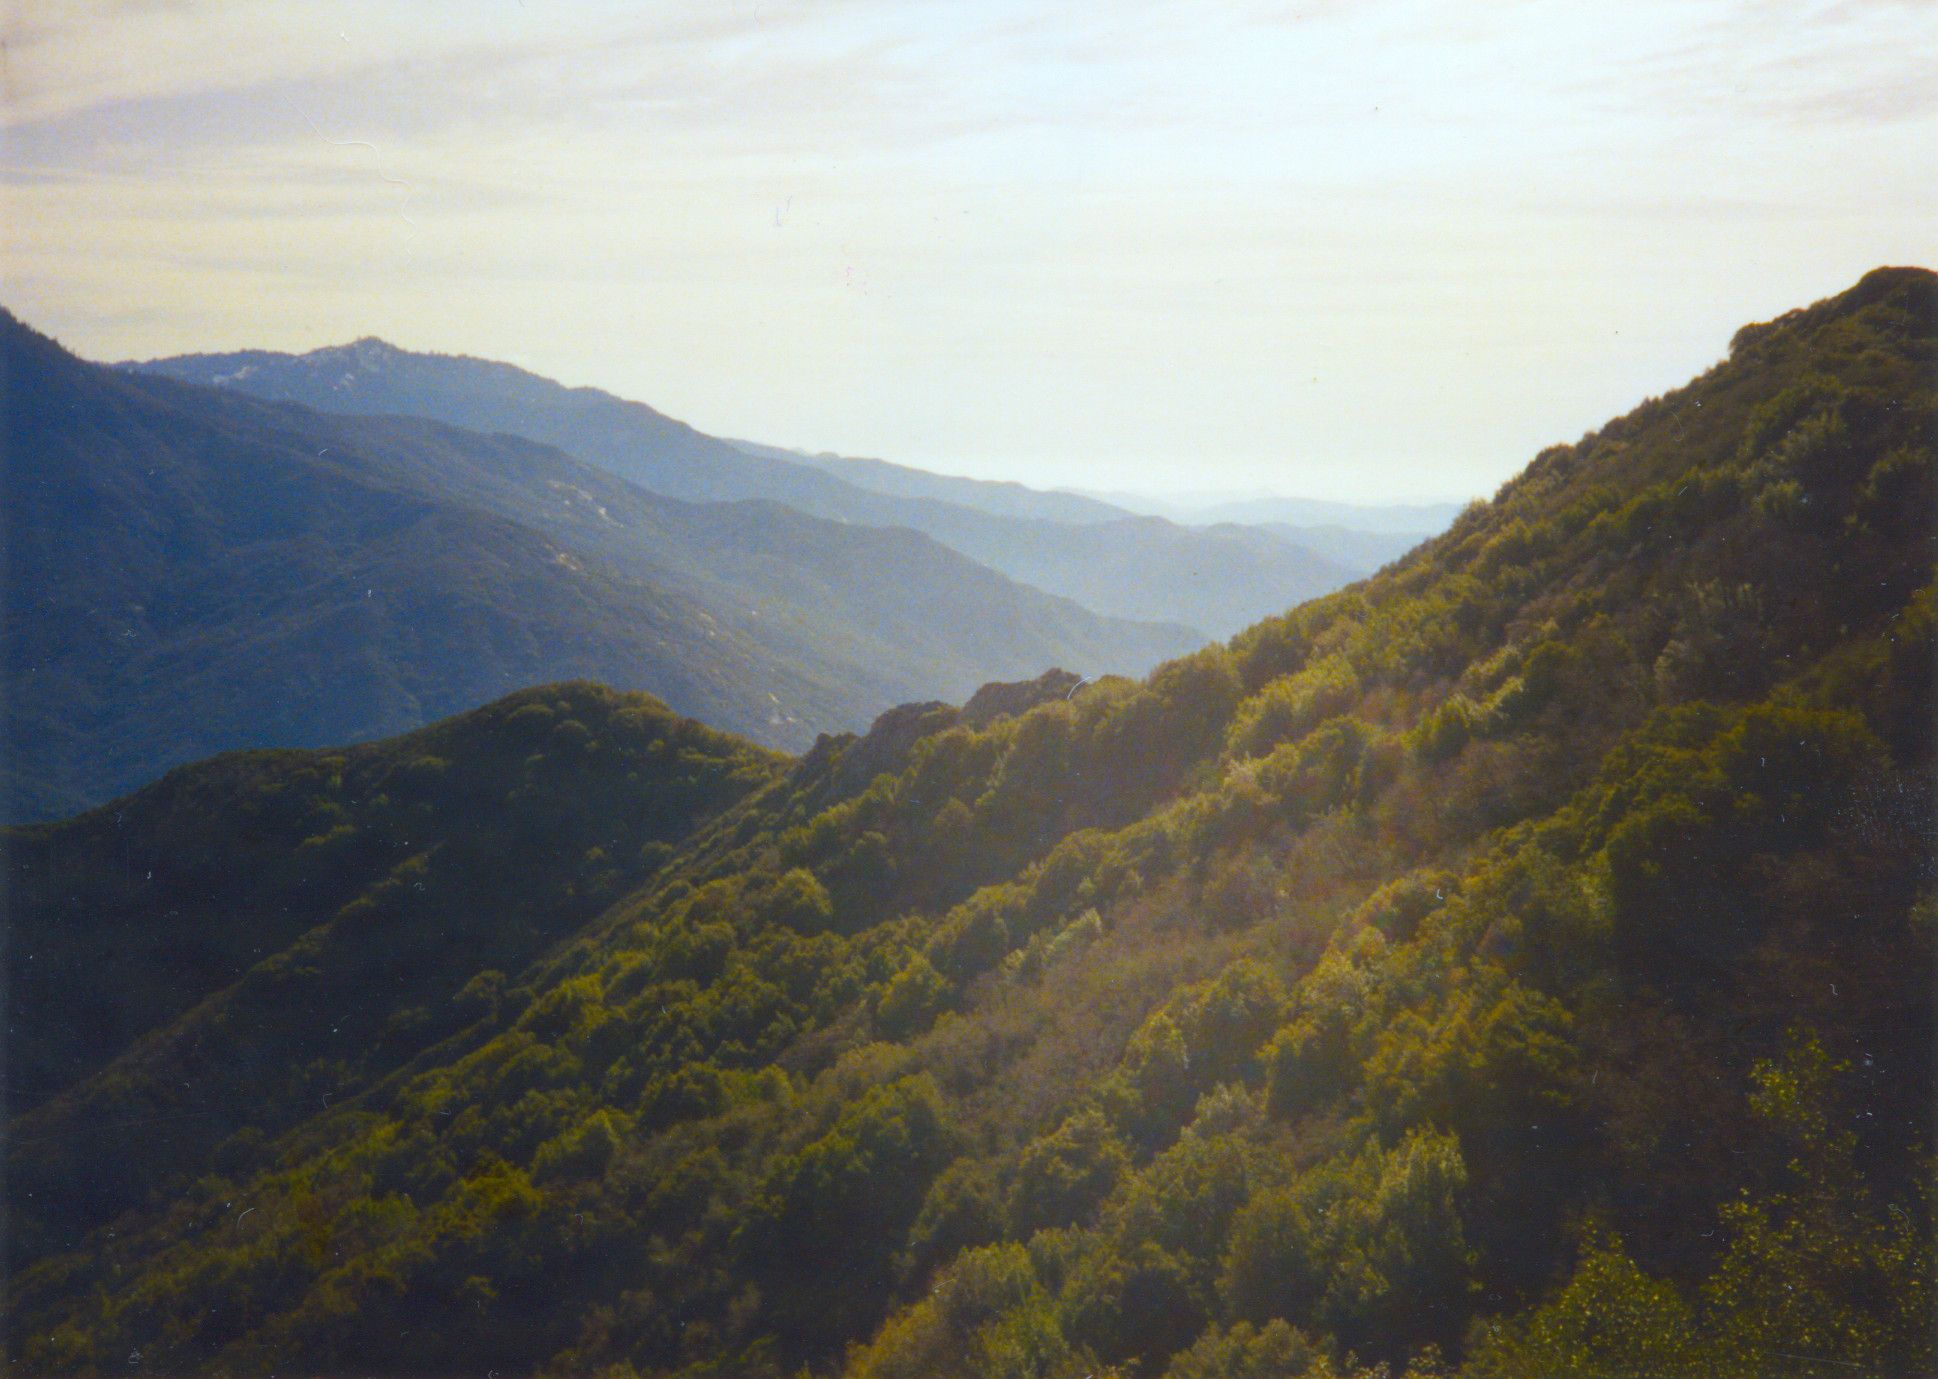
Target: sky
1376, 251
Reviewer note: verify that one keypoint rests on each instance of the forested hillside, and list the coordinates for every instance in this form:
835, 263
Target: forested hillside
1516, 964
194, 570
1216, 580
260, 931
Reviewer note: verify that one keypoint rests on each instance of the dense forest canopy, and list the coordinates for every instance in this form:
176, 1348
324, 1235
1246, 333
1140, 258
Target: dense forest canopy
1518, 963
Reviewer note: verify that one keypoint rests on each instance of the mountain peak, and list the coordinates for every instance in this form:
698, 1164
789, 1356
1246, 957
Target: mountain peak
367, 352
1917, 289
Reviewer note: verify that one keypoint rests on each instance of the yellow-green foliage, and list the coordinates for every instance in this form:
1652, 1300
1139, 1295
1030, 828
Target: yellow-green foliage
1292, 706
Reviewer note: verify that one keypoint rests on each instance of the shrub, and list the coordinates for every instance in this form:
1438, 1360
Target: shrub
1290, 707
1063, 1177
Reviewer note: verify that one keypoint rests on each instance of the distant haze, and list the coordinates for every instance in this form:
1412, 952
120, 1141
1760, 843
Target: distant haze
1379, 252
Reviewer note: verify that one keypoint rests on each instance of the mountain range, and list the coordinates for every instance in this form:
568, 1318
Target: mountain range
1214, 579
194, 569
1353, 536
1417, 520
1516, 963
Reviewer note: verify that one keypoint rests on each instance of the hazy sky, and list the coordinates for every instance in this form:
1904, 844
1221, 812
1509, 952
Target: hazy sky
1351, 250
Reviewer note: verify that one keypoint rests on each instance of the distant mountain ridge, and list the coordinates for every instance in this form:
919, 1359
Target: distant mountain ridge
1418, 520
195, 569
1115, 563
372, 377
1001, 497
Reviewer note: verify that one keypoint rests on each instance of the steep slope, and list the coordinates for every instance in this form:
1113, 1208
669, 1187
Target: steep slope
302, 921
1518, 963
1144, 568
193, 570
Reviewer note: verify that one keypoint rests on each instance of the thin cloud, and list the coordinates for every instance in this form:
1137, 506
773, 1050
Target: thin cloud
1229, 233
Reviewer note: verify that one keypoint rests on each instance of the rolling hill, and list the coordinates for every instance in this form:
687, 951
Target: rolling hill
193, 570
387, 874
1213, 580
1516, 964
